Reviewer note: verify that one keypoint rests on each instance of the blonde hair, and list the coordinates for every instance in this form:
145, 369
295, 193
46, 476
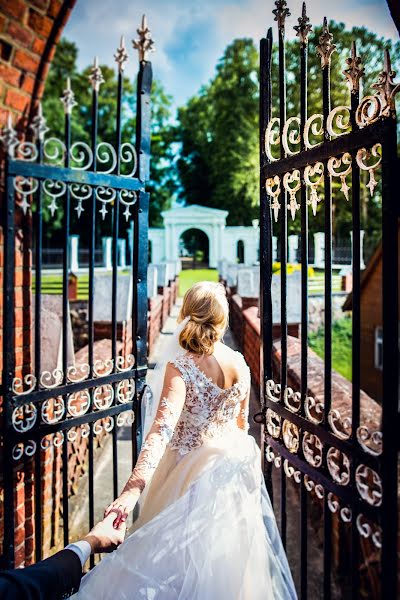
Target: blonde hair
206, 305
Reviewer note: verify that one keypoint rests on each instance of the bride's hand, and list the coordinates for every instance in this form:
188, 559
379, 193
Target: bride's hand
122, 506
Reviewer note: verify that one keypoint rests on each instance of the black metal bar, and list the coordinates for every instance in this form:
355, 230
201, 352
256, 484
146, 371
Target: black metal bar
140, 242
114, 275
265, 299
390, 396
326, 108
283, 259
92, 247
118, 182
8, 368
304, 298
356, 339
67, 135
38, 224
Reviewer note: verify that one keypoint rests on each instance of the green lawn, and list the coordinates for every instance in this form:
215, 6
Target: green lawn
190, 276
341, 346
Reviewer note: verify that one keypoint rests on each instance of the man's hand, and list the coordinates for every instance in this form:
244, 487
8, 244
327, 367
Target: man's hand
104, 537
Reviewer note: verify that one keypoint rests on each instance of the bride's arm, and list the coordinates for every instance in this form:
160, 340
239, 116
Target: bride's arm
243, 417
172, 400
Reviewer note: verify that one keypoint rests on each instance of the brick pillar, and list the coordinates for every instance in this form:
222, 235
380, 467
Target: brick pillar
29, 32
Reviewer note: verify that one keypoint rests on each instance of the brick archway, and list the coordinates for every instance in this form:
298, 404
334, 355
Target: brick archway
29, 33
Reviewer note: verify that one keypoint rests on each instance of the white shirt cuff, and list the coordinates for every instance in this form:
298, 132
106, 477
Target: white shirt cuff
82, 549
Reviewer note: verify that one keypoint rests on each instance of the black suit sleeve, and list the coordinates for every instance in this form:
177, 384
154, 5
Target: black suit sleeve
55, 578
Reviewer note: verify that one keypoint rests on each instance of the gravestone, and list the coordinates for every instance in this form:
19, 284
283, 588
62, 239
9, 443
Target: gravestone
102, 301
171, 270
248, 283
74, 253
231, 275
51, 333
121, 252
151, 281
222, 268
319, 250
293, 298
274, 248
162, 275
293, 247
107, 252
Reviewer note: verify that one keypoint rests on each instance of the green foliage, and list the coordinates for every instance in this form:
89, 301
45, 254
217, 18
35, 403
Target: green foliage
218, 131
341, 345
162, 181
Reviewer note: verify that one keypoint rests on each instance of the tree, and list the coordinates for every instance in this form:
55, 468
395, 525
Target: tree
218, 131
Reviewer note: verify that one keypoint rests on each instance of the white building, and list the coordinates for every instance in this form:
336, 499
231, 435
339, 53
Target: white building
225, 242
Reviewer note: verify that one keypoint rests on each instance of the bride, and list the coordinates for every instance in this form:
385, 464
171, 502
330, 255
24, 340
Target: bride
206, 529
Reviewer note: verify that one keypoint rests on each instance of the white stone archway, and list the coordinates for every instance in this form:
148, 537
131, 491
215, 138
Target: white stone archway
211, 221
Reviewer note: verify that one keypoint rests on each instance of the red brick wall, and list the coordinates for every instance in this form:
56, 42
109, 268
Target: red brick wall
29, 32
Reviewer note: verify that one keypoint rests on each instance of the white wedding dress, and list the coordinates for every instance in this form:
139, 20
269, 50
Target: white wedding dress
206, 529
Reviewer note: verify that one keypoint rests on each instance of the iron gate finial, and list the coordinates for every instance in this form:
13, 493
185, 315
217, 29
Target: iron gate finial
121, 55
144, 44
96, 76
304, 27
386, 87
9, 138
325, 47
355, 70
68, 98
281, 12
38, 124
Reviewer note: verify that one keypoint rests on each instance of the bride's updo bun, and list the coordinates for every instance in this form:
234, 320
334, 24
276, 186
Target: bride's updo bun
206, 306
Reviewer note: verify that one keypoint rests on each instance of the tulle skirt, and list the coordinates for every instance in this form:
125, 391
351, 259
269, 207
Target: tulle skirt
206, 531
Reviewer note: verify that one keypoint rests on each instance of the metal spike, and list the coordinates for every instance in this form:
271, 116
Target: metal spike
96, 76
325, 47
355, 70
386, 87
68, 98
281, 12
144, 44
121, 55
304, 27
38, 124
9, 138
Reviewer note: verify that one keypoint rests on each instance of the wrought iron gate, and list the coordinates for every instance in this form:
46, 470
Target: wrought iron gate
53, 414
341, 461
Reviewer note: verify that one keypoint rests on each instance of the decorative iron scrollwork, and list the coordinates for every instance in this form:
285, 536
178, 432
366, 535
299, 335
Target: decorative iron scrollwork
290, 436
53, 410
304, 28
273, 188
382, 104
144, 45
341, 426
366, 530
272, 388
125, 390
311, 171
335, 163
355, 70
312, 449
315, 126
370, 441
290, 471
365, 154
18, 385
78, 403
338, 466
292, 400
288, 179
281, 12
273, 423
369, 485
272, 458
103, 396
314, 410
24, 417
326, 47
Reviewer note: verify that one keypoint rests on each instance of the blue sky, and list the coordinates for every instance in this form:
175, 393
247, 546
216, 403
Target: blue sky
191, 35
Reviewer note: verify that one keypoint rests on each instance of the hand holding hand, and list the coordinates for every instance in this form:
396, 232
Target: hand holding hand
104, 537
122, 506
